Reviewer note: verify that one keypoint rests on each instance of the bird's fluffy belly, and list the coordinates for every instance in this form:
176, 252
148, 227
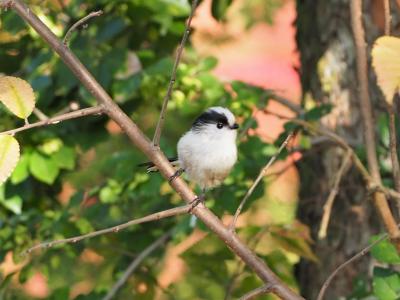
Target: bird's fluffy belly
208, 164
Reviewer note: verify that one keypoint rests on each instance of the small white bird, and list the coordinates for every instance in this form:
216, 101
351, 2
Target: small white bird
207, 152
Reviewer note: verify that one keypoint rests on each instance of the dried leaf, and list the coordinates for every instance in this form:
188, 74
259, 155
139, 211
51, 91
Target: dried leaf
9, 156
17, 95
386, 62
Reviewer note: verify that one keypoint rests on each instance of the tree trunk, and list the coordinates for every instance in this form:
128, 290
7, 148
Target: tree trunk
328, 75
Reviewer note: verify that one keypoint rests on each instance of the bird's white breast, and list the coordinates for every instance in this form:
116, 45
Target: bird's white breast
206, 158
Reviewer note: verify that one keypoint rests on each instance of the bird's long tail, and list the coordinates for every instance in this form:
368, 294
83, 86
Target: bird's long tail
150, 167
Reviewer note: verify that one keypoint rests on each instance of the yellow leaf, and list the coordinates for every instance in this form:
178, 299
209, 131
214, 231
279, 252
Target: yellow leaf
9, 156
17, 95
386, 62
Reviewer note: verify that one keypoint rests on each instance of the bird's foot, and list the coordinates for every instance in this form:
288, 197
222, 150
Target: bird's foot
196, 201
176, 174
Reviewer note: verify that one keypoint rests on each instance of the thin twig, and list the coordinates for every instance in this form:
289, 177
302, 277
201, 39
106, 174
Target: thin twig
372, 185
393, 151
332, 195
82, 21
39, 114
72, 106
392, 117
345, 264
96, 110
289, 104
179, 51
388, 18
379, 198
153, 217
258, 179
135, 263
257, 292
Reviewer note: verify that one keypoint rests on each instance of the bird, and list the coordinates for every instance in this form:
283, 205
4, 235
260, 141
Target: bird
208, 151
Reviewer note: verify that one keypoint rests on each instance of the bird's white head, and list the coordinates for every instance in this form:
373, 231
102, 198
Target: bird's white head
217, 122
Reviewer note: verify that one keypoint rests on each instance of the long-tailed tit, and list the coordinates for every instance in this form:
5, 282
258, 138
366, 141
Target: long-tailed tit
207, 152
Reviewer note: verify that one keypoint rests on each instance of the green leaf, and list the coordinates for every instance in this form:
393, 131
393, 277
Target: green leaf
385, 252
9, 156
17, 95
65, 158
6, 281
219, 8
13, 204
318, 112
21, 171
386, 284
208, 64
111, 192
43, 168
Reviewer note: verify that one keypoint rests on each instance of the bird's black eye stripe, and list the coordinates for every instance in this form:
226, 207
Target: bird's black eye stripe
210, 117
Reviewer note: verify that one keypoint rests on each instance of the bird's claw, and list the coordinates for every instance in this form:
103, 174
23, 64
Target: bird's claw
175, 175
196, 201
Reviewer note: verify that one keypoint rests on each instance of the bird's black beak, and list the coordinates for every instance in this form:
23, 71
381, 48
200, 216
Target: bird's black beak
234, 126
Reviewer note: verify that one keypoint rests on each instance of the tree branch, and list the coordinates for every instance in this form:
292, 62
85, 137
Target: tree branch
135, 263
39, 114
179, 51
289, 104
372, 185
392, 117
388, 18
366, 110
258, 179
332, 195
393, 151
96, 110
345, 264
153, 153
153, 217
257, 292
82, 21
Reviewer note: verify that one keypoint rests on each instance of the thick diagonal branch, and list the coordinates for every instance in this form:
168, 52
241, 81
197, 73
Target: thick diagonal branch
153, 153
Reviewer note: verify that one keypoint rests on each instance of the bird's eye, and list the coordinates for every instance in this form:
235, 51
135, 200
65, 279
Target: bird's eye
220, 125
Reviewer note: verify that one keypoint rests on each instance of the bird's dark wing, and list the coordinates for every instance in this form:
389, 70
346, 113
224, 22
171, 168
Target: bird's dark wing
150, 167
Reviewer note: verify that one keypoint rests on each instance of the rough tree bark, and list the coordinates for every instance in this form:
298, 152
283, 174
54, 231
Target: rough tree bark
328, 75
